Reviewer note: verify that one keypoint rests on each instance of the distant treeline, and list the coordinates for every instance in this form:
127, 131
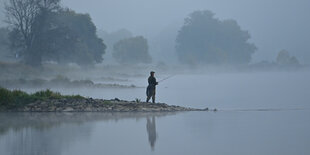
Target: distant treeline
43, 31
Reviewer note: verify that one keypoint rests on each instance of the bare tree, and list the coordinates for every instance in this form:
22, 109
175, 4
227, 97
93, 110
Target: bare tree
25, 18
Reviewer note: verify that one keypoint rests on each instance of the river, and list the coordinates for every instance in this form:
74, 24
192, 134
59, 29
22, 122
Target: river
258, 113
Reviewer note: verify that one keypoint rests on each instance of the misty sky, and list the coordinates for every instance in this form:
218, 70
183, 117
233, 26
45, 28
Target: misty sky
273, 24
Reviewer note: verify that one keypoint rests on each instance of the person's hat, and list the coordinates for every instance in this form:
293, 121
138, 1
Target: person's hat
152, 72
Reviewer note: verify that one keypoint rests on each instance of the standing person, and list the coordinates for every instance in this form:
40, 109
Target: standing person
151, 88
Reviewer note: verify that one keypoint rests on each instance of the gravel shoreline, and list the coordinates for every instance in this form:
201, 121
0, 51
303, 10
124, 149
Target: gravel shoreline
98, 105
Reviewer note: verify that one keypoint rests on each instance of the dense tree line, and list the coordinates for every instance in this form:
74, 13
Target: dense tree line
41, 30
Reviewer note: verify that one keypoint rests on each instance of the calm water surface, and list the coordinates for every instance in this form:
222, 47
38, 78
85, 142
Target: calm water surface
259, 113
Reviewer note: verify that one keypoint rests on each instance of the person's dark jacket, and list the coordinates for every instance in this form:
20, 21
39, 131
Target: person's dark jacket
152, 82
150, 90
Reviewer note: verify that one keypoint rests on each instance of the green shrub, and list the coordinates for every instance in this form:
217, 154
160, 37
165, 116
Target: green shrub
12, 99
46, 94
106, 102
138, 100
5, 96
20, 98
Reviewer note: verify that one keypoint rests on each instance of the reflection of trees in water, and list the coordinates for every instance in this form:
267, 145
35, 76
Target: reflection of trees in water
151, 131
51, 133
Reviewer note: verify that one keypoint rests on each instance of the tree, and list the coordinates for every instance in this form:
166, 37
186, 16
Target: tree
111, 38
42, 31
204, 39
26, 18
284, 58
5, 52
132, 51
72, 38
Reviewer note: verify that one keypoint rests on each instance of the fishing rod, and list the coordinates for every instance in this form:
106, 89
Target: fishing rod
166, 78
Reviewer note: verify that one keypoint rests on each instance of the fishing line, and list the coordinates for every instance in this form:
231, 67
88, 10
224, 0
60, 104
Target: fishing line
166, 78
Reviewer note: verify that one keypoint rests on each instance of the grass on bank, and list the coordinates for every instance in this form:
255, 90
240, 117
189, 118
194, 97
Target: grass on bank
16, 98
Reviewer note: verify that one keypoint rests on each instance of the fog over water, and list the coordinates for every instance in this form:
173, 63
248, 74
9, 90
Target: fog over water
258, 113
225, 91
261, 97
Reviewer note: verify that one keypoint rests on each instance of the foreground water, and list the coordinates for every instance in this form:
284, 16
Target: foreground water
259, 113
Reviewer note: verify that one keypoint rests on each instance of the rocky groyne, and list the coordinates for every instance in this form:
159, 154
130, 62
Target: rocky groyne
98, 105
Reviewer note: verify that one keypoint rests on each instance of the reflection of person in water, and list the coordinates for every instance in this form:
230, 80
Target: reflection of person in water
151, 130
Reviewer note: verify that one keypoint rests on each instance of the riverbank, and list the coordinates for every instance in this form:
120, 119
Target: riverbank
48, 101
97, 105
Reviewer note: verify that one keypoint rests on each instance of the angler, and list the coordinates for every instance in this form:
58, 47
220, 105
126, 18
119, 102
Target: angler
151, 88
